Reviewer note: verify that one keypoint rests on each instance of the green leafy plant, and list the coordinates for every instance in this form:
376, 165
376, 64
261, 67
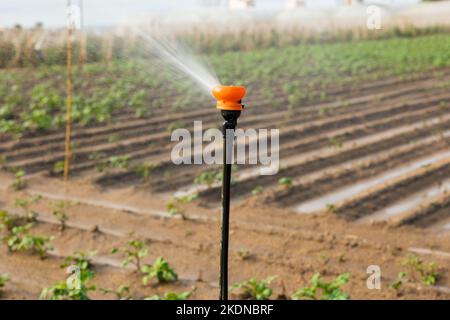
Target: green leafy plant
141, 112
20, 239
188, 198
172, 296
174, 125
60, 212
160, 270
331, 207
19, 180
254, 289
58, 167
428, 272
144, 170
63, 291
7, 222
4, 278
323, 290
96, 156
208, 178
256, 191
120, 162
336, 142
121, 293
286, 182
115, 162
174, 205
100, 167
244, 254
25, 204
173, 208
134, 251
397, 284
82, 260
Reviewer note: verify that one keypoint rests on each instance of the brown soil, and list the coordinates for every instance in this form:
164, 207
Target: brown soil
382, 126
310, 243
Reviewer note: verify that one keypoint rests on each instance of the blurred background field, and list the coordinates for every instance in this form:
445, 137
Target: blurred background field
364, 136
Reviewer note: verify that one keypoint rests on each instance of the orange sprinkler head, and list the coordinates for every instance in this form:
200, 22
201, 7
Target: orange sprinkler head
229, 97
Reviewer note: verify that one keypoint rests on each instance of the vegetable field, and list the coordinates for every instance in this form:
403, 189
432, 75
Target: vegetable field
365, 170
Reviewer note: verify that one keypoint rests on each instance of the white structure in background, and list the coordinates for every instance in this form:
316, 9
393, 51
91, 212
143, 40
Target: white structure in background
241, 4
389, 3
352, 2
292, 4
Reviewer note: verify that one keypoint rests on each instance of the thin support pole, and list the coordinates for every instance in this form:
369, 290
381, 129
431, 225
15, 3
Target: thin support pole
68, 150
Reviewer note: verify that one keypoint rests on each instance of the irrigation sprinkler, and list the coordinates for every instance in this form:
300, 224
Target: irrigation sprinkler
229, 102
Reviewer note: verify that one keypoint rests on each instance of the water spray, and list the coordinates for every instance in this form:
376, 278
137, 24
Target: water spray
229, 102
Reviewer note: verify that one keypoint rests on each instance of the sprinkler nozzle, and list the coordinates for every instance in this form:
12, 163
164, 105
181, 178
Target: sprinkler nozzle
229, 97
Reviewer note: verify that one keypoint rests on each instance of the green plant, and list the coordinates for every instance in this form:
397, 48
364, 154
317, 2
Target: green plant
257, 190
331, 207
207, 178
286, 182
254, 289
174, 205
119, 162
174, 125
396, 285
60, 212
95, 156
188, 198
21, 240
244, 254
144, 170
323, 290
58, 167
4, 278
100, 167
428, 272
173, 208
121, 293
19, 180
336, 142
134, 251
25, 204
82, 260
141, 112
6, 221
159, 269
171, 296
65, 291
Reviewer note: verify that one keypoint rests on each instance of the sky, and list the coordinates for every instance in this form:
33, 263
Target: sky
107, 12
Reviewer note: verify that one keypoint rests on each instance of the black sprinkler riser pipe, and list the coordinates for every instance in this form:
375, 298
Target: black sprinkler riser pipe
230, 123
